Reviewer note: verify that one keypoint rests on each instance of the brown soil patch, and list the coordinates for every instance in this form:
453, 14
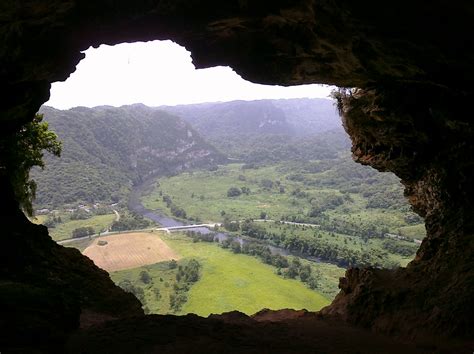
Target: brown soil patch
263, 205
129, 250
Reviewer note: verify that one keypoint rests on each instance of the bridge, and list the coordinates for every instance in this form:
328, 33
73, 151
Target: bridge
186, 227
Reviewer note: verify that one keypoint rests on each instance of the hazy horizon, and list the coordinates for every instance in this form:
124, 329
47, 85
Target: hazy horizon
160, 73
185, 104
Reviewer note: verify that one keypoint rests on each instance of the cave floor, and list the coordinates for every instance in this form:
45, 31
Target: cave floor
267, 332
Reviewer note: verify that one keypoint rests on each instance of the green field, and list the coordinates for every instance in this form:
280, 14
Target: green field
64, 229
228, 282
163, 279
415, 231
355, 212
203, 195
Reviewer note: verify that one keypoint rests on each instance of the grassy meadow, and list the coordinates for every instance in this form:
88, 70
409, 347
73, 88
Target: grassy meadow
163, 279
64, 229
354, 216
227, 282
203, 195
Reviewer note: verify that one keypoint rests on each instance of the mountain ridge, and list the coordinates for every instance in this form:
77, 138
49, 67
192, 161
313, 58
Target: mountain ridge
108, 149
294, 117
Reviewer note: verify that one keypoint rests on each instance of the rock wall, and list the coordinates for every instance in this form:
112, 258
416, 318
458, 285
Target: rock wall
413, 65
423, 135
48, 291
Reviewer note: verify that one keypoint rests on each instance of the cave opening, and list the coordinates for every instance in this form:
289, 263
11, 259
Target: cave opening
302, 207
411, 115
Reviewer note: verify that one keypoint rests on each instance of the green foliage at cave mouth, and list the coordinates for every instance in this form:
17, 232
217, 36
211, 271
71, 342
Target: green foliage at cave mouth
24, 150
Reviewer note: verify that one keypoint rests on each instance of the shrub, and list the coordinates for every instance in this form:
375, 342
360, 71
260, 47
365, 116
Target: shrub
246, 190
130, 222
266, 183
234, 192
172, 264
235, 247
312, 282
145, 277
80, 215
82, 231
178, 212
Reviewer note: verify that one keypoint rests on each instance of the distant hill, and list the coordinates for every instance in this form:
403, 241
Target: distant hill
107, 149
236, 117
310, 116
293, 117
267, 131
263, 149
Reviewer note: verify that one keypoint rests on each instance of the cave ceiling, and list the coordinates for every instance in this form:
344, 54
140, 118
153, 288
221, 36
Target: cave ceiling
343, 43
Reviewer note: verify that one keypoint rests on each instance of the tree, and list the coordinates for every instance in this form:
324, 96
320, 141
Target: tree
226, 243
235, 247
145, 277
313, 282
24, 150
80, 215
82, 231
230, 225
267, 184
279, 261
291, 272
191, 271
178, 212
305, 273
130, 222
245, 190
234, 192
293, 269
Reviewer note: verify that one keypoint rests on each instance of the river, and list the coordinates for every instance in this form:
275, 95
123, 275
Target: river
135, 204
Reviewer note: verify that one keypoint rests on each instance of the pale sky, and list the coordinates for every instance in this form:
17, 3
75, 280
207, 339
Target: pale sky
159, 73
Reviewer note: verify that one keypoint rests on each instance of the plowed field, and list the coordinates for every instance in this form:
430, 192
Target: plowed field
129, 250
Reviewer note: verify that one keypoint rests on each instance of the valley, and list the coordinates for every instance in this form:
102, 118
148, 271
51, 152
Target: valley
287, 209
352, 228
